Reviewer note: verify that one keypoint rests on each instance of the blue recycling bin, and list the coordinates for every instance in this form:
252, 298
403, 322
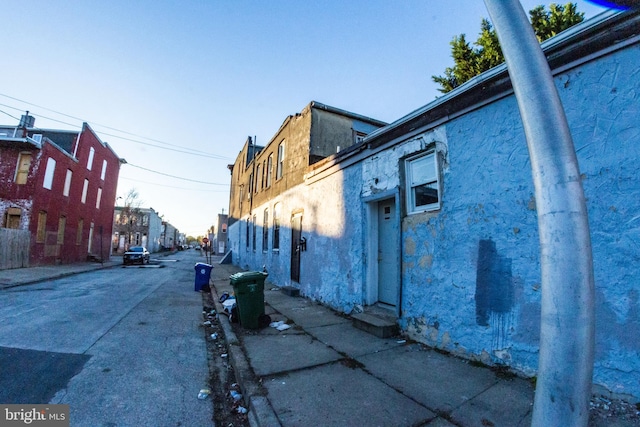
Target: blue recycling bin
203, 275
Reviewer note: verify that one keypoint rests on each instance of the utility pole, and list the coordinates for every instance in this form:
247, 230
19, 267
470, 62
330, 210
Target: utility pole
567, 325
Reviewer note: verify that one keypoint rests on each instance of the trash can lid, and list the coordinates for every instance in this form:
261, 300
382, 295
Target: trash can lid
202, 264
247, 276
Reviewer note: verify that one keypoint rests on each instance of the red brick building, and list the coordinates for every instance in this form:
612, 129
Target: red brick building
60, 186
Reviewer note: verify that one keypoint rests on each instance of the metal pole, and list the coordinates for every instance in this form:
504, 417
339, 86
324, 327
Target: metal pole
565, 365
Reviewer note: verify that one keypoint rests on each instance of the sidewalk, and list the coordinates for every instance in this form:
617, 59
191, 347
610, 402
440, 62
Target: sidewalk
324, 371
24, 276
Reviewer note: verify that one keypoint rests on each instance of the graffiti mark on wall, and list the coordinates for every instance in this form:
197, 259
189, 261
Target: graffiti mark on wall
494, 291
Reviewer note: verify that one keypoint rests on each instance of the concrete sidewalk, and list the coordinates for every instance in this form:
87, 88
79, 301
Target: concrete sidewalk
324, 371
24, 276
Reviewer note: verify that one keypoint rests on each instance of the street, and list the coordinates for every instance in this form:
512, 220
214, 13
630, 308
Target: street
121, 346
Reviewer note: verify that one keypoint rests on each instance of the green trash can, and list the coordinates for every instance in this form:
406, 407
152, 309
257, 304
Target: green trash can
248, 287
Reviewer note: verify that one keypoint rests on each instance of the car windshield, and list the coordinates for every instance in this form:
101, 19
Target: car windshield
136, 249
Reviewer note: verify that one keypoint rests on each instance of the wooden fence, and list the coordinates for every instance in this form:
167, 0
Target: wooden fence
14, 248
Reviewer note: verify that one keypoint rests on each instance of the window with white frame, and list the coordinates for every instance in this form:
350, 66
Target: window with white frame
103, 174
85, 188
48, 173
423, 189
280, 164
67, 183
258, 176
269, 170
98, 198
92, 153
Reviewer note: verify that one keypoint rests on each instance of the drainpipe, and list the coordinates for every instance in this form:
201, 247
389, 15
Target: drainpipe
567, 325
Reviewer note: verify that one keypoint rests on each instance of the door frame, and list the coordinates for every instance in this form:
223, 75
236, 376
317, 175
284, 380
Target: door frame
371, 244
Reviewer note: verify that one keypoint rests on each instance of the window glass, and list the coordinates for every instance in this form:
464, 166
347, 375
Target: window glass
265, 231
269, 170
422, 183
254, 233
280, 165
276, 227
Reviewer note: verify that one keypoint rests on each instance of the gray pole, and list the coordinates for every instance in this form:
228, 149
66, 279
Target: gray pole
565, 365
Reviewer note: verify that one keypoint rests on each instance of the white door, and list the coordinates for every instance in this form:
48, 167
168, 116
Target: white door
388, 255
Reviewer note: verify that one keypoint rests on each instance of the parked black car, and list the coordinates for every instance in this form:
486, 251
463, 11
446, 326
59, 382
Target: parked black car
136, 254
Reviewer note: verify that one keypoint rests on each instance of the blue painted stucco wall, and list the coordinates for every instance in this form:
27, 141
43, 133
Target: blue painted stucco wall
332, 267
471, 271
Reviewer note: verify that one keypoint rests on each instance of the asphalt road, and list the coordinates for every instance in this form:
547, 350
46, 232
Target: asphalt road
121, 346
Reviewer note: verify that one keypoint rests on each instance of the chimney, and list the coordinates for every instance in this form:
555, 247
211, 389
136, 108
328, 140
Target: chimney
26, 121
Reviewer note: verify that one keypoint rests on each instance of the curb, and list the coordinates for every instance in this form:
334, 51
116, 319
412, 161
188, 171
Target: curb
261, 413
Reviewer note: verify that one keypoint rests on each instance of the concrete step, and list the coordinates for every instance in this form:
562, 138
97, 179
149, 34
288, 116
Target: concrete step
381, 327
290, 291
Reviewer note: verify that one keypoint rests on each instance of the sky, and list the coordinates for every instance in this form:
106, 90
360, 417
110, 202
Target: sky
176, 87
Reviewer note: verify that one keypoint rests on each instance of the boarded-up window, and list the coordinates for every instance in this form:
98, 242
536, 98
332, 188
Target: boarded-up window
79, 233
98, 198
22, 172
13, 218
42, 225
62, 223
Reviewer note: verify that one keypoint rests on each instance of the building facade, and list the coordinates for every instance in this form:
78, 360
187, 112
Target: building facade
136, 227
263, 177
61, 186
220, 241
434, 216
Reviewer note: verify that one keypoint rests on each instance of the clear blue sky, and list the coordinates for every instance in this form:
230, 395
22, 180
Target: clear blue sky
202, 75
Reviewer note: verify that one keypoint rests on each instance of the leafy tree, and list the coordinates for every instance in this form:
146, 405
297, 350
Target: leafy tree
130, 215
470, 61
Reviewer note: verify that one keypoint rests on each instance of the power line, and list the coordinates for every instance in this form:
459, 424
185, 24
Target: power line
180, 148
4, 112
170, 186
173, 176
